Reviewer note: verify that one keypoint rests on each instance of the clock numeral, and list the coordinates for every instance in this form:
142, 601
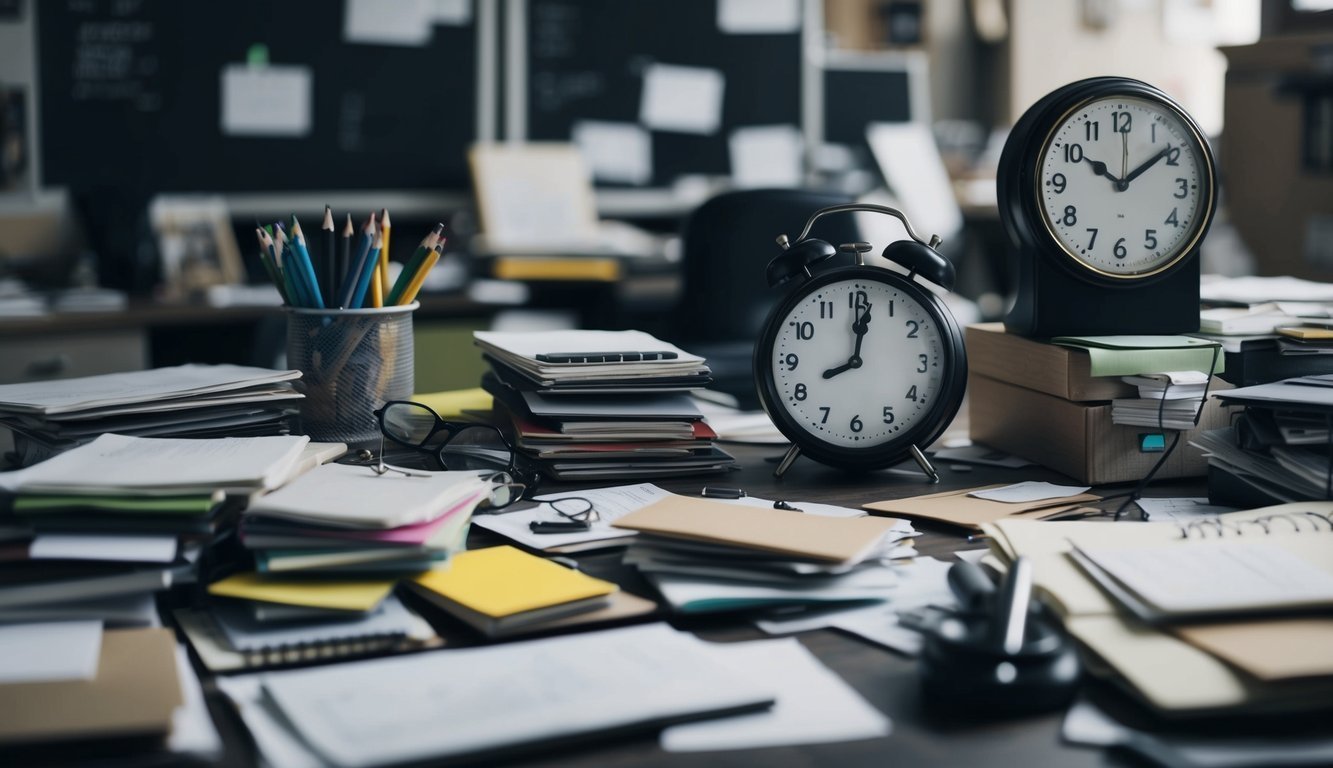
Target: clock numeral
888, 414
1173, 156
1092, 241
924, 360
1058, 182
1071, 216
825, 310
1183, 189
1091, 130
913, 326
1173, 220
911, 393
1120, 121
857, 299
804, 330
791, 360
1073, 153
826, 411
1150, 239
1120, 251
800, 393
856, 425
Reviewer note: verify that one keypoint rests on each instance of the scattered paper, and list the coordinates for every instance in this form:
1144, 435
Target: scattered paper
616, 152
272, 101
192, 730
611, 504
766, 156
683, 99
50, 651
1181, 509
404, 22
132, 549
910, 161
980, 454
813, 705
758, 17
1030, 490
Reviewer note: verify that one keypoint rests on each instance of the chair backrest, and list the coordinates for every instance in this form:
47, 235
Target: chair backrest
727, 242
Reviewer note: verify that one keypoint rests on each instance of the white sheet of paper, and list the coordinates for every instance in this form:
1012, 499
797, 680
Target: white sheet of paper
971, 555
910, 161
132, 549
391, 22
682, 99
1030, 490
1181, 509
758, 17
50, 651
611, 505
451, 13
615, 152
766, 156
814, 705
272, 100
192, 729
278, 744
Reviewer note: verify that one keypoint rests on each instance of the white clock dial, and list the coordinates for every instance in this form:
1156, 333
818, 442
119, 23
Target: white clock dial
1123, 186
851, 395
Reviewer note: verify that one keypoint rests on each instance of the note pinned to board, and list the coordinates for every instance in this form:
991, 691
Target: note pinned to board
1030, 490
682, 99
616, 152
407, 23
272, 101
766, 156
759, 17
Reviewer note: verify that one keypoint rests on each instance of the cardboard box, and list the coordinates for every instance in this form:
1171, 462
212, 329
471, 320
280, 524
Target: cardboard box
1078, 439
1060, 371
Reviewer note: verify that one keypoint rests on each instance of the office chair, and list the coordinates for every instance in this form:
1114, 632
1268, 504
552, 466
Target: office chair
726, 244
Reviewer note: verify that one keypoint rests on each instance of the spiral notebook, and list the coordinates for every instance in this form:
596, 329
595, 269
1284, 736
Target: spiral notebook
229, 638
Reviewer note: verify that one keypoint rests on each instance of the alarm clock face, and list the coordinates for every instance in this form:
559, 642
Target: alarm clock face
1124, 186
857, 363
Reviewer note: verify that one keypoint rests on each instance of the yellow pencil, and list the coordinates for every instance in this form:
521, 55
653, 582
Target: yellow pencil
376, 298
382, 271
410, 295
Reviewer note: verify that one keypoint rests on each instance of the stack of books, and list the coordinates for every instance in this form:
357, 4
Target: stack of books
705, 555
320, 524
600, 404
94, 532
184, 401
1277, 450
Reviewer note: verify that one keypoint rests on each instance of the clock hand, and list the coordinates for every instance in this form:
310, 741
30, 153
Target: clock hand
859, 327
1099, 168
1150, 162
1124, 154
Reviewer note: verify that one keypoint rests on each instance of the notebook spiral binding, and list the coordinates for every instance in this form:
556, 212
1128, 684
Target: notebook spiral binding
341, 648
1285, 522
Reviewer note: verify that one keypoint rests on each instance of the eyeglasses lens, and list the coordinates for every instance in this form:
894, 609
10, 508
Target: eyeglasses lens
408, 423
475, 448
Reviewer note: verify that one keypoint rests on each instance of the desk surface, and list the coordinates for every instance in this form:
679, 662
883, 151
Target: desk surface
887, 680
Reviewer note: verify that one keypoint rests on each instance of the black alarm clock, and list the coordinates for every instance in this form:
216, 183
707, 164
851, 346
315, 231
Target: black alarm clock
1106, 189
860, 366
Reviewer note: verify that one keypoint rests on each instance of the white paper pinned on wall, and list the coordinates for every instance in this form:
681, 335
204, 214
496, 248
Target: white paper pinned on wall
273, 100
766, 156
683, 99
452, 13
616, 152
758, 17
392, 22
910, 161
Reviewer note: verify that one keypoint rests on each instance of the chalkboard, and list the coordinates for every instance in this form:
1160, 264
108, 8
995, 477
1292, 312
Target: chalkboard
132, 97
586, 60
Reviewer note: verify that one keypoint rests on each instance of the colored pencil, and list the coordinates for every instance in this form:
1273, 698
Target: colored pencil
368, 273
271, 266
344, 254
283, 256
413, 265
410, 294
328, 260
358, 265
304, 265
382, 272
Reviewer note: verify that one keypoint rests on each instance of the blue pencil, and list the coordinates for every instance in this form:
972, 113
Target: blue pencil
358, 265
284, 255
305, 268
367, 272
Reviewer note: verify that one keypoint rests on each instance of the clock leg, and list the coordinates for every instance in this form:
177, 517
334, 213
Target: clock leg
924, 463
793, 453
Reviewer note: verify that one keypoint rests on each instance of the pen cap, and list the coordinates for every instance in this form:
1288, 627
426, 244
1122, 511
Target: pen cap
352, 361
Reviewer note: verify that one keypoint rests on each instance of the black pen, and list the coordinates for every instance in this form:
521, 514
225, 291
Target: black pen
558, 526
714, 492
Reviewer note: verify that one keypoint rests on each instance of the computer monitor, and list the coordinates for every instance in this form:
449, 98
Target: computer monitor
860, 88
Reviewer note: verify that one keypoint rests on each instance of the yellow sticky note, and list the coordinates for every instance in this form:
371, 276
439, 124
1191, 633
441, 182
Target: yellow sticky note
502, 581
362, 595
452, 403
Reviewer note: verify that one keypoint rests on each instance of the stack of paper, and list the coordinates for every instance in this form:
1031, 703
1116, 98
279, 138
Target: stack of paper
348, 519
185, 401
706, 555
96, 530
1169, 400
601, 404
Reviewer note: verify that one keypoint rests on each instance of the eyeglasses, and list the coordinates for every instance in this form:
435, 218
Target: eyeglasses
456, 445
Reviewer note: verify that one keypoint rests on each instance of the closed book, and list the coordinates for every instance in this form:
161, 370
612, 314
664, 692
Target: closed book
498, 589
1038, 365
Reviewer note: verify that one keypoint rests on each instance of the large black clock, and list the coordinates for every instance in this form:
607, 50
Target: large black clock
860, 366
1106, 189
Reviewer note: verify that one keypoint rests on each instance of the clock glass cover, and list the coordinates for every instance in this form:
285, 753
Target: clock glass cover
1122, 186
